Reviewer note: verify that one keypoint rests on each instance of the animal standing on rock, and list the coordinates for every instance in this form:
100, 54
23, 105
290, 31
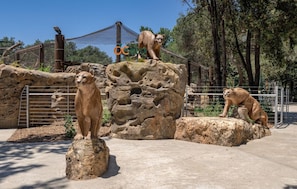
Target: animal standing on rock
249, 109
152, 43
88, 106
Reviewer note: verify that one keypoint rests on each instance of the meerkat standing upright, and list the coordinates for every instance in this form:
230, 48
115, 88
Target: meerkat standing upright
88, 106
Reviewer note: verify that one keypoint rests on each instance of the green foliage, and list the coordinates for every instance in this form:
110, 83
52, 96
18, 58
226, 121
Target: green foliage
45, 68
15, 64
106, 116
87, 54
210, 110
69, 128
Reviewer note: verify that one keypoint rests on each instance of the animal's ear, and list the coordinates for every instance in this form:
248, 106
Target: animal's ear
156, 35
92, 71
77, 72
93, 78
225, 88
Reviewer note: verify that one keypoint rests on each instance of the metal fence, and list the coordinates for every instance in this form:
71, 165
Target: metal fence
43, 105
208, 101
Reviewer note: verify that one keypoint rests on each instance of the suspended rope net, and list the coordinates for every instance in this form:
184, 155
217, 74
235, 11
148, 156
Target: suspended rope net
107, 36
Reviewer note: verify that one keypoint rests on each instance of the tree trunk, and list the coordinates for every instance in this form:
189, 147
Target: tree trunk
224, 57
215, 35
248, 66
257, 57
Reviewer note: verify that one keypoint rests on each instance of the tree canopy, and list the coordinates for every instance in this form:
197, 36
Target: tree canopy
72, 53
242, 42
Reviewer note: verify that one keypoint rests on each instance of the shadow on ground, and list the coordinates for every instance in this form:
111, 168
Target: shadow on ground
12, 153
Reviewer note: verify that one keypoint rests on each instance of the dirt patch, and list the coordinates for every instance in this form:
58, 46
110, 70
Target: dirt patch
47, 133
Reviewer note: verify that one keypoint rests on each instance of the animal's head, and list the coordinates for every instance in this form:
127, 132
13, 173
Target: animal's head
159, 38
56, 98
84, 78
227, 92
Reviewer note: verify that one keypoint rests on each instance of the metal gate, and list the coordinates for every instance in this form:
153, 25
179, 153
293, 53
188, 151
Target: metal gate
43, 105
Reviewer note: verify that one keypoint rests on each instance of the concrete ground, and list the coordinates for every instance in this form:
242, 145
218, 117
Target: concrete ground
270, 162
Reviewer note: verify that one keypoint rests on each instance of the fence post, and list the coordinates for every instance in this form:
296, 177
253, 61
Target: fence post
27, 106
282, 105
68, 101
275, 106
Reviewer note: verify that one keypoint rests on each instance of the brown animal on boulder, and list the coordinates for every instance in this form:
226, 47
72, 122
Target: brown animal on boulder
152, 43
249, 108
88, 106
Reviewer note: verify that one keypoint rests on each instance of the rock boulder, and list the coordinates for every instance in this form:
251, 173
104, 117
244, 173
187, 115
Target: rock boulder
86, 159
219, 131
145, 98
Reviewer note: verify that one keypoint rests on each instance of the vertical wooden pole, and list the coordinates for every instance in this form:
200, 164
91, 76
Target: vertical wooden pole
41, 56
59, 53
118, 39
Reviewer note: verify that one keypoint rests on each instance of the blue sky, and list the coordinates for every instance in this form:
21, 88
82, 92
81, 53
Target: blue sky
31, 20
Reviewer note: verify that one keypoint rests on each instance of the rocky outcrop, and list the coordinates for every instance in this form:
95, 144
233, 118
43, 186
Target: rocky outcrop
219, 131
145, 98
86, 159
97, 69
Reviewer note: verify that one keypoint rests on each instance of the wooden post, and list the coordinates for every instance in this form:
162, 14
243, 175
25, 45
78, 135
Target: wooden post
118, 39
59, 53
41, 56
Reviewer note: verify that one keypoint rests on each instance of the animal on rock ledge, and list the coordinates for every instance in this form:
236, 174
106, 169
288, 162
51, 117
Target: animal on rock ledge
152, 43
88, 106
249, 109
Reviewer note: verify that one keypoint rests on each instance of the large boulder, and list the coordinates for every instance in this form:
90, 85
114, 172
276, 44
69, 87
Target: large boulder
219, 131
145, 98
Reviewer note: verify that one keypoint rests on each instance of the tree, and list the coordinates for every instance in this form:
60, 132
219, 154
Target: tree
7, 48
87, 54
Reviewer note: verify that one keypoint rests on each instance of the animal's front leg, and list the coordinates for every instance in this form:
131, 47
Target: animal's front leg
226, 108
79, 135
152, 54
95, 128
86, 127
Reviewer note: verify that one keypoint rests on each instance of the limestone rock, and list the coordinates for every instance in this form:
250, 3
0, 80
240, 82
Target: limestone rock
145, 98
219, 131
97, 69
86, 159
